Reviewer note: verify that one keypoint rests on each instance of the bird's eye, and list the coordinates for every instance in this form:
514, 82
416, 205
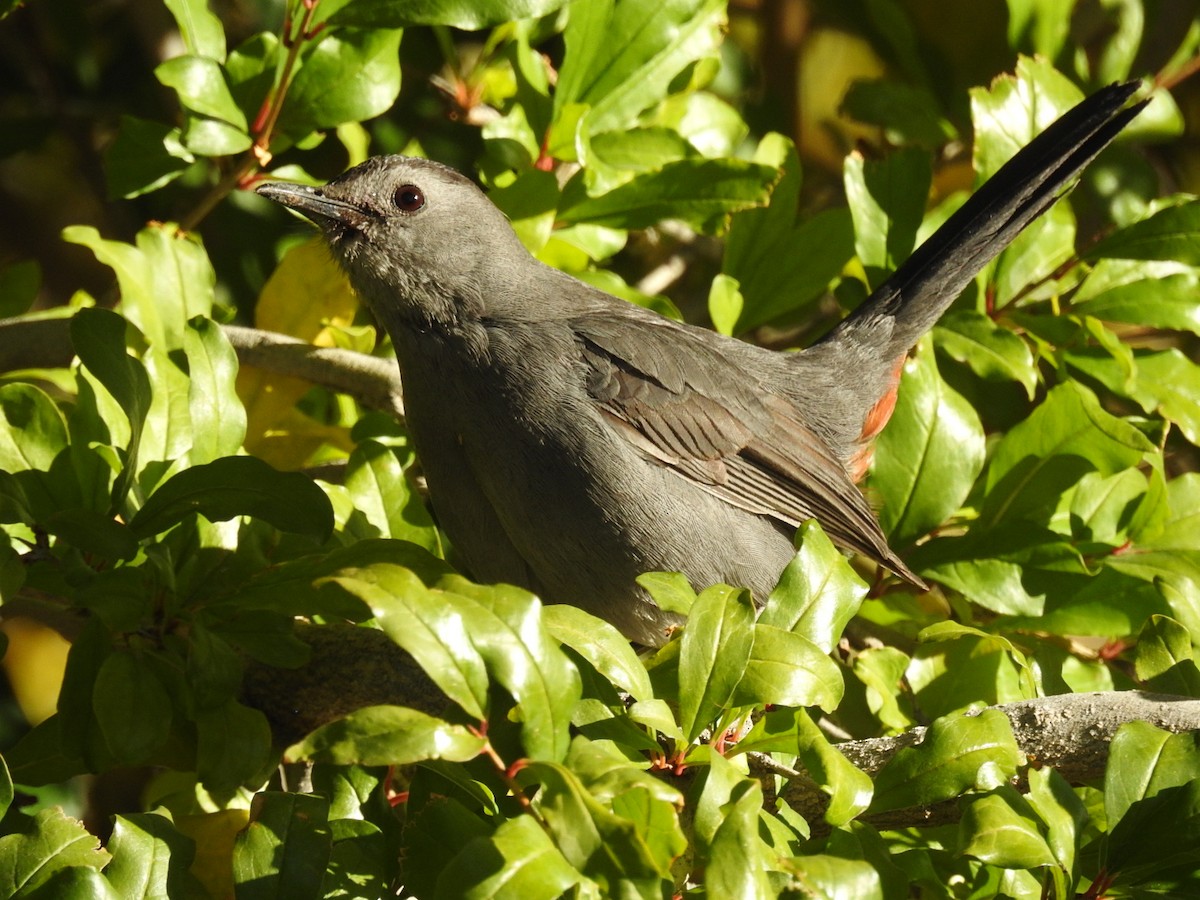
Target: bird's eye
409, 198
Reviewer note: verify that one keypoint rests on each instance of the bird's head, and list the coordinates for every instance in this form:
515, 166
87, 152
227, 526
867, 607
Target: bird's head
419, 240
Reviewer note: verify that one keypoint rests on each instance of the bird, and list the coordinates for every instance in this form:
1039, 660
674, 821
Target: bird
572, 441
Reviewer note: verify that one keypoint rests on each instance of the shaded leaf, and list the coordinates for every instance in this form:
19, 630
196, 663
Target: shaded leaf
887, 202
701, 192
238, 486
780, 264
518, 862
133, 708
470, 15
284, 849
387, 736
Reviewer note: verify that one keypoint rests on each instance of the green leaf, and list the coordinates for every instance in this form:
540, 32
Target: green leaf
1144, 760
908, 114
725, 303
19, 286
505, 626
928, 457
238, 486
1157, 838
959, 753
1168, 301
818, 593
6, 788
994, 353
530, 203
1067, 435
1103, 508
601, 645
787, 669
782, 266
1175, 548
881, 671
298, 587
348, 76
1014, 109
133, 708
93, 532
469, 15
1167, 383
1064, 814
73, 883
215, 125
381, 492
151, 859
284, 850
849, 789
738, 858
145, 156
165, 279
825, 875
1170, 233
200, 83
35, 431
519, 861
1000, 830
1006, 117
621, 55
701, 192
887, 202
1082, 605
1039, 26
99, 339
233, 746
438, 635
387, 736
670, 590
639, 149
202, 31
1165, 659
716, 648
606, 847
54, 843
218, 417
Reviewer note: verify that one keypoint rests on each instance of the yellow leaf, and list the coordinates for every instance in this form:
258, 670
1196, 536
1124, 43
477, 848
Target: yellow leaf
214, 834
305, 297
34, 665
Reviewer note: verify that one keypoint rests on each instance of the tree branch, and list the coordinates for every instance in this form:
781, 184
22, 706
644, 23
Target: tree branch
1068, 732
46, 343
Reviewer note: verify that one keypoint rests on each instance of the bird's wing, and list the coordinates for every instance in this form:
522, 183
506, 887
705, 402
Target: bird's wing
682, 403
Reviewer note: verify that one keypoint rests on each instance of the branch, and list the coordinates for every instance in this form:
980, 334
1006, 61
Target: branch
1068, 732
46, 344
373, 381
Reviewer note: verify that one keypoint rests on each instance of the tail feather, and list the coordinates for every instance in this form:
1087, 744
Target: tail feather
919, 291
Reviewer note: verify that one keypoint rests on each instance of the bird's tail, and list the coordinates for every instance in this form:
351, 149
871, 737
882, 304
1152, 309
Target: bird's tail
921, 289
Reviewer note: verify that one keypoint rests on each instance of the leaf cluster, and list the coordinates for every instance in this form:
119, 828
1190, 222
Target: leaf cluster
185, 519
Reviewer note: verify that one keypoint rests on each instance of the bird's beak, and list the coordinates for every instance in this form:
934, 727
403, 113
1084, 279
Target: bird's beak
310, 203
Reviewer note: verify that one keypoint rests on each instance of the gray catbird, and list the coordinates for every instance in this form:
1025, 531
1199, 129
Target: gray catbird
573, 441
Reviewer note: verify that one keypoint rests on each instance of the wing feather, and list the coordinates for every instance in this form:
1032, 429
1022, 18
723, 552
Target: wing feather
680, 400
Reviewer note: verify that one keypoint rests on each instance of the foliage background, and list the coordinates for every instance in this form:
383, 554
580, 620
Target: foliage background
1040, 468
